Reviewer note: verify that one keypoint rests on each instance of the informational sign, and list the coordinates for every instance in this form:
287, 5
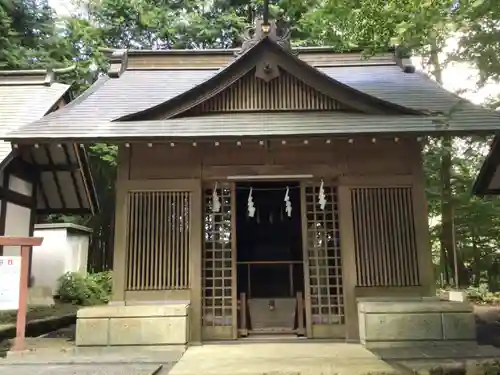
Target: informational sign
10, 280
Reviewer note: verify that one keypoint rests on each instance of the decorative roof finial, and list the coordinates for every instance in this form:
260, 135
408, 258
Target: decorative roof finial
265, 29
265, 18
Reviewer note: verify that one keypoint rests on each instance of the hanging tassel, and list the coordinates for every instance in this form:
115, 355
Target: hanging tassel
288, 204
216, 206
251, 206
321, 196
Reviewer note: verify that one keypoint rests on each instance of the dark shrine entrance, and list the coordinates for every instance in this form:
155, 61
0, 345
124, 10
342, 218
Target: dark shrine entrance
270, 270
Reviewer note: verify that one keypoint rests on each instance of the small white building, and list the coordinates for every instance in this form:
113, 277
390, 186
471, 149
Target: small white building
64, 249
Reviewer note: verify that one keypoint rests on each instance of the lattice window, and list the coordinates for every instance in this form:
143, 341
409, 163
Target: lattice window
323, 248
217, 260
384, 234
158, 240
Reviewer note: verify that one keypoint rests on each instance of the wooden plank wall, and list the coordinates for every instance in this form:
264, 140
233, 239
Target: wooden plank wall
158, 240
209, 161
384, 237
286, 93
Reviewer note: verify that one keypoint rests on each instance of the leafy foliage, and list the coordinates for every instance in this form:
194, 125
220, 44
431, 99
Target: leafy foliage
90, 289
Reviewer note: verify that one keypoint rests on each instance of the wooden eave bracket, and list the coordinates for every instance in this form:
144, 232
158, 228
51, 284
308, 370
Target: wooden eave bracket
118, 63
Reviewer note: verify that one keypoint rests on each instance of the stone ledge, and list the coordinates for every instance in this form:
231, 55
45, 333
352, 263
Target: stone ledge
395, 322
101, 355
143, 325
410, 306
132, 311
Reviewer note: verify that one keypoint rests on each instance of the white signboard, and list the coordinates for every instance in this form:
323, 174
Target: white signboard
10, 280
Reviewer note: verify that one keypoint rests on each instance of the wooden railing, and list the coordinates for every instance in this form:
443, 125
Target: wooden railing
289, 263
243, 329
26, 243
300, 314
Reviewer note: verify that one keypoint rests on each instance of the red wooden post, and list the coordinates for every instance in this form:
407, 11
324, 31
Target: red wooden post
26, 244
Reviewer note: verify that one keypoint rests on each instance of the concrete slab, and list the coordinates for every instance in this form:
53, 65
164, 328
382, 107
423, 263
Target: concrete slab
81, 370
94, 355
301, 358
436, 352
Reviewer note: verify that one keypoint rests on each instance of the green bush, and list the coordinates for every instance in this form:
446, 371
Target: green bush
90, 289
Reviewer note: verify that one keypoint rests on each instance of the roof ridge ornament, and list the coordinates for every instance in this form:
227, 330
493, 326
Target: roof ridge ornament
32, 76
262, 30
118, 63
402, 57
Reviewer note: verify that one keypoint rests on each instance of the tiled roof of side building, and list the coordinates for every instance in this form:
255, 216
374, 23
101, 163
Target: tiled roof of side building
139, 89
25, 96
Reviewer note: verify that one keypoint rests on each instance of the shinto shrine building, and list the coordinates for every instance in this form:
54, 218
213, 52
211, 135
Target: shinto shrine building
267, 191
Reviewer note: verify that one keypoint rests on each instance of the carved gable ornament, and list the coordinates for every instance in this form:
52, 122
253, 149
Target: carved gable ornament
266, 69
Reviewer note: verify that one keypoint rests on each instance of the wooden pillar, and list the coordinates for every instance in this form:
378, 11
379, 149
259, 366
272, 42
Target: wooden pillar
195, 272
305, 255
422, 237
120, 242
26, 244
348, 262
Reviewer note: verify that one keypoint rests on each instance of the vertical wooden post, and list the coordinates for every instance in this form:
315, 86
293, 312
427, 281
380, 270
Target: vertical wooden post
26, 243
348, 262
243, 315
305, 255
121, 226
196, 215
234, 265
19, 342
300, 314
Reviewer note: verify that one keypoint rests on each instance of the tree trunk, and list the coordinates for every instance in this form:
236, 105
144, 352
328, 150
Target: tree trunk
447, 238
477, 261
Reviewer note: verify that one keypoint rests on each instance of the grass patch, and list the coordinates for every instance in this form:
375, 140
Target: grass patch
39, 312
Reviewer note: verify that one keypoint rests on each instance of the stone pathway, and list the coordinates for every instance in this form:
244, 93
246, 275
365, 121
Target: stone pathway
56, 359
301, 358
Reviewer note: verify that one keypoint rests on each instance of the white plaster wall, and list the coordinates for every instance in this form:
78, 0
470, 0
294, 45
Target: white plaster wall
80, 246
17, 224
20, 186
62, 251
17, 218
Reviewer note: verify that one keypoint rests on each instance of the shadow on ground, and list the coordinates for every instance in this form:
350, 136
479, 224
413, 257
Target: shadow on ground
488, 325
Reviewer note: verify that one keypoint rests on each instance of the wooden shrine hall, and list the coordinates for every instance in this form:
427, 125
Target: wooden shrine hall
267, 190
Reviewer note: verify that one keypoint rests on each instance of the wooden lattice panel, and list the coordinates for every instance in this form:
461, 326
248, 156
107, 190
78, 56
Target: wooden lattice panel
217, 259
158, 240
323, 251
286, 93
384, 234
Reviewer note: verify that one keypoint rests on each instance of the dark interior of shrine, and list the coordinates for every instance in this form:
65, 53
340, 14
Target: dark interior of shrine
269, 245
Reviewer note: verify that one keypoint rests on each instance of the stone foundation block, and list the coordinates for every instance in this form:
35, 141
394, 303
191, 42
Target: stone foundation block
133, 325
414, 321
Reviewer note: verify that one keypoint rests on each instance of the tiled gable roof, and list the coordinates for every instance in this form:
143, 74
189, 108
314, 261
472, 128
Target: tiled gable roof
25, 98
137, 90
